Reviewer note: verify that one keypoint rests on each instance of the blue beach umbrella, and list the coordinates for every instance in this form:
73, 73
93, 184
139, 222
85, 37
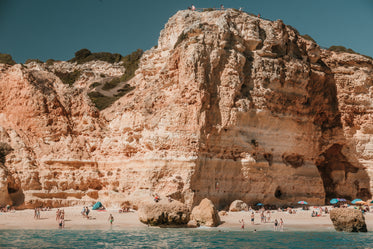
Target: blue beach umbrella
341, 199
260, 204
302, 202
333, 201
356, 200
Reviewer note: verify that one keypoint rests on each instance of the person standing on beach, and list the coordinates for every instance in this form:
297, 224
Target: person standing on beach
35, 214
268, 216
252, 218
87, 212
111, 219
281, 225
275, 225
262, 217
57, 214
243, 224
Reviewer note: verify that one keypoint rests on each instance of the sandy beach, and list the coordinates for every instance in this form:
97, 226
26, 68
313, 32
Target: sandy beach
24, 219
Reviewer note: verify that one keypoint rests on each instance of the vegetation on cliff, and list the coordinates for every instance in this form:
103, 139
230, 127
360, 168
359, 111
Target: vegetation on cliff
131, 63
68, 78
7, 59
346, 50
33, 60
308, 37
102, 101
84, 55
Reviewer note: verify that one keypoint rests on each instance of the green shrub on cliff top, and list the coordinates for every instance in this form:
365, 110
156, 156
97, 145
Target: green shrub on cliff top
131, 63
307, 37
346, 50
33, 60
49, 62
84, 55
7, 59
341, 49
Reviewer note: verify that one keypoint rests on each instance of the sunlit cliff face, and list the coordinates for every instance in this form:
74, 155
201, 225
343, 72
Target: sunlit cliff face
227, 106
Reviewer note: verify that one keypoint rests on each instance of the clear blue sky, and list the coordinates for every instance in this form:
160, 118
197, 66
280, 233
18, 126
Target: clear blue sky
56, 29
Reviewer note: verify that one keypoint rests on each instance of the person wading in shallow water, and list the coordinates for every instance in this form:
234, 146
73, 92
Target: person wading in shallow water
111, 219
275, 228
243, 224
281, 225
61, 222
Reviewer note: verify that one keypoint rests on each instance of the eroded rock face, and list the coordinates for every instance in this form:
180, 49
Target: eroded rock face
348, 220
164, 213
227, 107
205, 214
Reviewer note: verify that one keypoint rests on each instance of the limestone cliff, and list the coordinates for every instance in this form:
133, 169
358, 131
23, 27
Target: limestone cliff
228, 106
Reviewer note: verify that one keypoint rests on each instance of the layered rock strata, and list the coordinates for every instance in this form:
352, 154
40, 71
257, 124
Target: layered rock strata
228, 106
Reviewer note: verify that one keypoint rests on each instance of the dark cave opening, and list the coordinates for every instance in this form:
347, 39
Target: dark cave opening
331, 169
278, 193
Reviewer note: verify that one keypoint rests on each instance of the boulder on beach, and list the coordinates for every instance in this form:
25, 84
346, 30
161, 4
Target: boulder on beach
238, 206
348, 220
205, 214
164, 213
223, 213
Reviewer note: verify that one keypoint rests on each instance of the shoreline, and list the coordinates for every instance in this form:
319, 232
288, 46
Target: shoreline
24, 220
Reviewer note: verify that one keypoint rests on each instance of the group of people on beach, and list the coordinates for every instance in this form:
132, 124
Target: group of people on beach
60, 218
318, 212
264, 218
278, 225
38, 210
37, 213
7, 208
85, 212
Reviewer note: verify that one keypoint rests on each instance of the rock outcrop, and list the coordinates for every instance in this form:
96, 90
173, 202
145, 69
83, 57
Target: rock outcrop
237, 206
227, 107
164, 213
348, 220
205, 214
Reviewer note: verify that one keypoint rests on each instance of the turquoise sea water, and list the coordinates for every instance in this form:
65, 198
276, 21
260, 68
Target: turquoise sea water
180, 238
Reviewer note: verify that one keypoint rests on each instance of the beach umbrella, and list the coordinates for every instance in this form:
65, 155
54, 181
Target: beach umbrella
341, 199
356, 200
333, 201
371, 201
302, 202
97, 205
260, 204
